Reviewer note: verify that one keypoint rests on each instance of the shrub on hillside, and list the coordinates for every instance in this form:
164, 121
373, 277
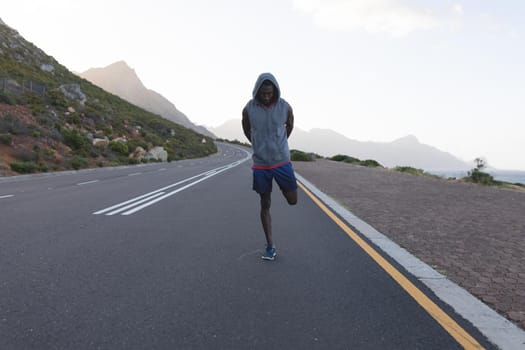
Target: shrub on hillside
13, 125
79, 163
6, 139
352, 160
35, 102
133, 161
119, 147
73, 139
134, 143
8, 98
24, 167
299, 156
370, 163
25, 155
478, 176
345, 158
48, 154
56, 98
152, 138
409, 170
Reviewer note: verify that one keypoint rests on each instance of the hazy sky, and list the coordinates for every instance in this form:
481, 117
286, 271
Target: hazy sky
452, 73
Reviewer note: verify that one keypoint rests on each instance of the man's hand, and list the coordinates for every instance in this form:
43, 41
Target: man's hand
289, 122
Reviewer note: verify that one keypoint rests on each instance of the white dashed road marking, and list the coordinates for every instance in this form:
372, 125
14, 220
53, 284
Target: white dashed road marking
87, 182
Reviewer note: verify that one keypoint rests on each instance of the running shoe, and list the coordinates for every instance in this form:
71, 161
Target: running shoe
269, 254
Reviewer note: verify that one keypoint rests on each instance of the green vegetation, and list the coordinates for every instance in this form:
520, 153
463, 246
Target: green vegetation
6, 139
134, 143
345, 158
79, 163
68, 122
74, 139
119, 147
7, 98
10, 124
409, 170
415, 171
370, 163
27, 167
352, 160
300, 156
476, 175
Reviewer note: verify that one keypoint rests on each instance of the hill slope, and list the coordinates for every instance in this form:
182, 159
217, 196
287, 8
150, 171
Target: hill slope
119, 79
51, 119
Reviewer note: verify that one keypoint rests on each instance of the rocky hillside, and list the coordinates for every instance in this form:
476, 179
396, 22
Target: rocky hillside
51, 119
121, 80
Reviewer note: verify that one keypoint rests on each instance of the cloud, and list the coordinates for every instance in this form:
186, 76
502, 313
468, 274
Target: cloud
375, 16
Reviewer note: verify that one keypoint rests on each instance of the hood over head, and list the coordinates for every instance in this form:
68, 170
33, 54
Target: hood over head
261, 79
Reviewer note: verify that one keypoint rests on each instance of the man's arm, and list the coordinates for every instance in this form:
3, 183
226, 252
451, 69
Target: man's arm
246, 127
289, 122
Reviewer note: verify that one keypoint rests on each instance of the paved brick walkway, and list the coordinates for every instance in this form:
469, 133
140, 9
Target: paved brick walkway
475, 235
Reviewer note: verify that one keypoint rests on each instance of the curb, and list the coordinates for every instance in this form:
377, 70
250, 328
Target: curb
16, 178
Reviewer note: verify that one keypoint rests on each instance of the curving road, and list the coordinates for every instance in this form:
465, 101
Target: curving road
167, 256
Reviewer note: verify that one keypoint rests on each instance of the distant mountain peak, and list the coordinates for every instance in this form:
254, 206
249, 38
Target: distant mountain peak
122, 80
120, 63
120, 66
117, 78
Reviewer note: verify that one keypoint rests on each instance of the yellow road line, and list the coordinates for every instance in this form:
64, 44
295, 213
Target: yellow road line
454, 329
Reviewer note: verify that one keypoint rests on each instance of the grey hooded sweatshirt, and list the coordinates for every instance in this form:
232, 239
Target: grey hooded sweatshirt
268, 127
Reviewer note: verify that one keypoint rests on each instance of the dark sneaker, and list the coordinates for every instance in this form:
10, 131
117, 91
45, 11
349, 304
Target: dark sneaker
269, 254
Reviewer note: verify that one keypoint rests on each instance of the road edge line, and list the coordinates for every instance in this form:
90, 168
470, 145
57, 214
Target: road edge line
495, 327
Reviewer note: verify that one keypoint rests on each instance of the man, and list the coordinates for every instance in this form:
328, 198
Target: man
267, 121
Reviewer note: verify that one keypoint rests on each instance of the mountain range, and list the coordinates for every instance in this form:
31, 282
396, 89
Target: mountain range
54, 124
406, 151
121, 80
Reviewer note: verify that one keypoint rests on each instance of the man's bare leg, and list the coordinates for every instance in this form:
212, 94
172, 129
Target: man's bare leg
266, 218
291, 197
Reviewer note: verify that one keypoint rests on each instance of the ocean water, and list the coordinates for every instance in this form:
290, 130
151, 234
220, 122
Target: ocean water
512, 176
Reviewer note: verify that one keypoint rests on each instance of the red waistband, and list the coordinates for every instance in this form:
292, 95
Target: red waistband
268, 167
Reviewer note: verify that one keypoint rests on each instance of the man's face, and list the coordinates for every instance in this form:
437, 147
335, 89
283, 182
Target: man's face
266, 94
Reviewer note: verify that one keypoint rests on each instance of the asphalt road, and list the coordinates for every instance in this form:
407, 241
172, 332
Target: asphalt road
167, 256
